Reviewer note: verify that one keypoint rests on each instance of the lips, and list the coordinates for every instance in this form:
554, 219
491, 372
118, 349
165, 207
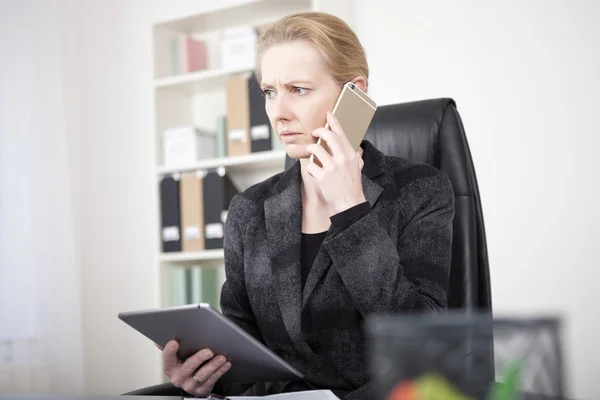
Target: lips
288, 136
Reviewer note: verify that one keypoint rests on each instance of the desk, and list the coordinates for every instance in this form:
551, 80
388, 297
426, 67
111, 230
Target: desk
91, 397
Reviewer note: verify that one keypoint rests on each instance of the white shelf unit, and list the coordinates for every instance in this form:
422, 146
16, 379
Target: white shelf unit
197, 81
255, 162
191, 258
198, 98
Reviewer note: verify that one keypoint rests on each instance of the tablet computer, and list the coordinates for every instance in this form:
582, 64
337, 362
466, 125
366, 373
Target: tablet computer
197, 327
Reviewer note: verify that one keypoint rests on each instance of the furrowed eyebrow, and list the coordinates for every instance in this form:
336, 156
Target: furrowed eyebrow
266, 85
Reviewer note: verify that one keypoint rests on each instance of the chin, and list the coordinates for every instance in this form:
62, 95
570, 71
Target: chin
296, 151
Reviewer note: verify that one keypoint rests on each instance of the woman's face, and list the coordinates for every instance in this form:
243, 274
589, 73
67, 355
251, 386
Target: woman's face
298, 93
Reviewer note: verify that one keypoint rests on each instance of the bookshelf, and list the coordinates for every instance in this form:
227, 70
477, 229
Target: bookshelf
199, 99
197, 81
268, 160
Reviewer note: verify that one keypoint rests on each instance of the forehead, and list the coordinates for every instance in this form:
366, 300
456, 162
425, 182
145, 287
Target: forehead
297, 60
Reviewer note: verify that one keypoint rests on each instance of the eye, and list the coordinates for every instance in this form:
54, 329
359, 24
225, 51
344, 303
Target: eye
300, 90
268, 93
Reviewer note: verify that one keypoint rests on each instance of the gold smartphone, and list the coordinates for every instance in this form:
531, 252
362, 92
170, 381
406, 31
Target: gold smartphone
354, 110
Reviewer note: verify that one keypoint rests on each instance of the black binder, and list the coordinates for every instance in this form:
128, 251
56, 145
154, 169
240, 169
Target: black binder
260, 134
218, 192
170, 220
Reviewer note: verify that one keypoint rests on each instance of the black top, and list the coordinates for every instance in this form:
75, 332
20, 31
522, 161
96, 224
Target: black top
311, 242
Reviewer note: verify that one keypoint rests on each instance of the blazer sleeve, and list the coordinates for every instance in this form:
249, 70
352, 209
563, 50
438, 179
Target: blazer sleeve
234, 297
384, 275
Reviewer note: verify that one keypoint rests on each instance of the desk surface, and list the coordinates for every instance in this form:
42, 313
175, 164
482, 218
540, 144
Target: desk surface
82, 397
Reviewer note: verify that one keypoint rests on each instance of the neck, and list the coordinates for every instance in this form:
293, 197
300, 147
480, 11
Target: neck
310, 189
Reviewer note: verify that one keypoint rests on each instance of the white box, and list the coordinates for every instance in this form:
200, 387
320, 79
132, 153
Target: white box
238, 48
186, 145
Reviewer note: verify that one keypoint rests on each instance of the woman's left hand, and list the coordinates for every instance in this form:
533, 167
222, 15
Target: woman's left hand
339, 177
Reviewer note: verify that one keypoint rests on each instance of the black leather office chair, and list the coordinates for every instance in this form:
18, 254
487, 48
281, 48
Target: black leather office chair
431, 131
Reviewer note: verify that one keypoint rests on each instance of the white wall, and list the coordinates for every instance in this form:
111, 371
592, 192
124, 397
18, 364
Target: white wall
119, 214
525, 76
40, 298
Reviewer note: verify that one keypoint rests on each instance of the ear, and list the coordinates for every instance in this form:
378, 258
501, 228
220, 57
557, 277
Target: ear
361, 82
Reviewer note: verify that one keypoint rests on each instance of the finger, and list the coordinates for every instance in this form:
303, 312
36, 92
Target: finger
322, 154
205, 373
215, 376
334, 124
336, 127
193, 362
207, 387
361, 162
315, 171
170, 359
333, 141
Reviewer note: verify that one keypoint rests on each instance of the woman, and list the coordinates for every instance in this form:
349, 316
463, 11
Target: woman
312, 251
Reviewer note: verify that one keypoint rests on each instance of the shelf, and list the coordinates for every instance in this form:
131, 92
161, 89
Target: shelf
188, 257
242, 13
197, 81
246, 163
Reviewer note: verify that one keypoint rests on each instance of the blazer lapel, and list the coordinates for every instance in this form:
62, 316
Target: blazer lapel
373, 168
283, 217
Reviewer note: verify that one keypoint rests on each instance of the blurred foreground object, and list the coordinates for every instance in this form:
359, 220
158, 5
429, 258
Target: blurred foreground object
460, 356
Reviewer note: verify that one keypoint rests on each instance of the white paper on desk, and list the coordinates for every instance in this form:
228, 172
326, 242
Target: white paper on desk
306, 395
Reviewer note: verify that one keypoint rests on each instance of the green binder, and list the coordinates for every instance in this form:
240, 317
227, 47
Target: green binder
177, 285
221, 139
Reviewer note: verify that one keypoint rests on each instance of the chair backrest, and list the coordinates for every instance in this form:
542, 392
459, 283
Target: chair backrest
431, 131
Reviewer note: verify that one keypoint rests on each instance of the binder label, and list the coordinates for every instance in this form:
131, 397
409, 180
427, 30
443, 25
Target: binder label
191, 232
214, 231
170, 234
259, 132
237, 134
224, 216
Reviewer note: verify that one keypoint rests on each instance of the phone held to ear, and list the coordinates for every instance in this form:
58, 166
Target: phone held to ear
354, 110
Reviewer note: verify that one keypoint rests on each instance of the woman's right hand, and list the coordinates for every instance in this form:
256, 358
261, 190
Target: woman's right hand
182, 373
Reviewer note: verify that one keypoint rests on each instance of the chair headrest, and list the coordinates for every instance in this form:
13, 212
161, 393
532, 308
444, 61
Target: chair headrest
409, 130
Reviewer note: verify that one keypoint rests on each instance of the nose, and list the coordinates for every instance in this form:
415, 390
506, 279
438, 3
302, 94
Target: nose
278, 108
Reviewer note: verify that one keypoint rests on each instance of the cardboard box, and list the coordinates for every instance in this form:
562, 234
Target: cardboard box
238, 48
186, 145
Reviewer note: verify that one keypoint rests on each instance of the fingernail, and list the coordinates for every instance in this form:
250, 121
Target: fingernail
208, 353
227, 365
221, 359
173, 345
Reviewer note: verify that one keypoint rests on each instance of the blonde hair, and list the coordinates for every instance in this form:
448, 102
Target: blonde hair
339, 47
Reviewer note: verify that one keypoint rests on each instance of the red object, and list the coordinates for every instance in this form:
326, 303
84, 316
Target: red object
404, 391
192, 54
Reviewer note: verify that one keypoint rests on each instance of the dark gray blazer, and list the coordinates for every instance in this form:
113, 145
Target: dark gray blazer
395, 259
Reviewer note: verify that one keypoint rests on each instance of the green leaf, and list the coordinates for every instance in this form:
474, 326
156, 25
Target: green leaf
508, 388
